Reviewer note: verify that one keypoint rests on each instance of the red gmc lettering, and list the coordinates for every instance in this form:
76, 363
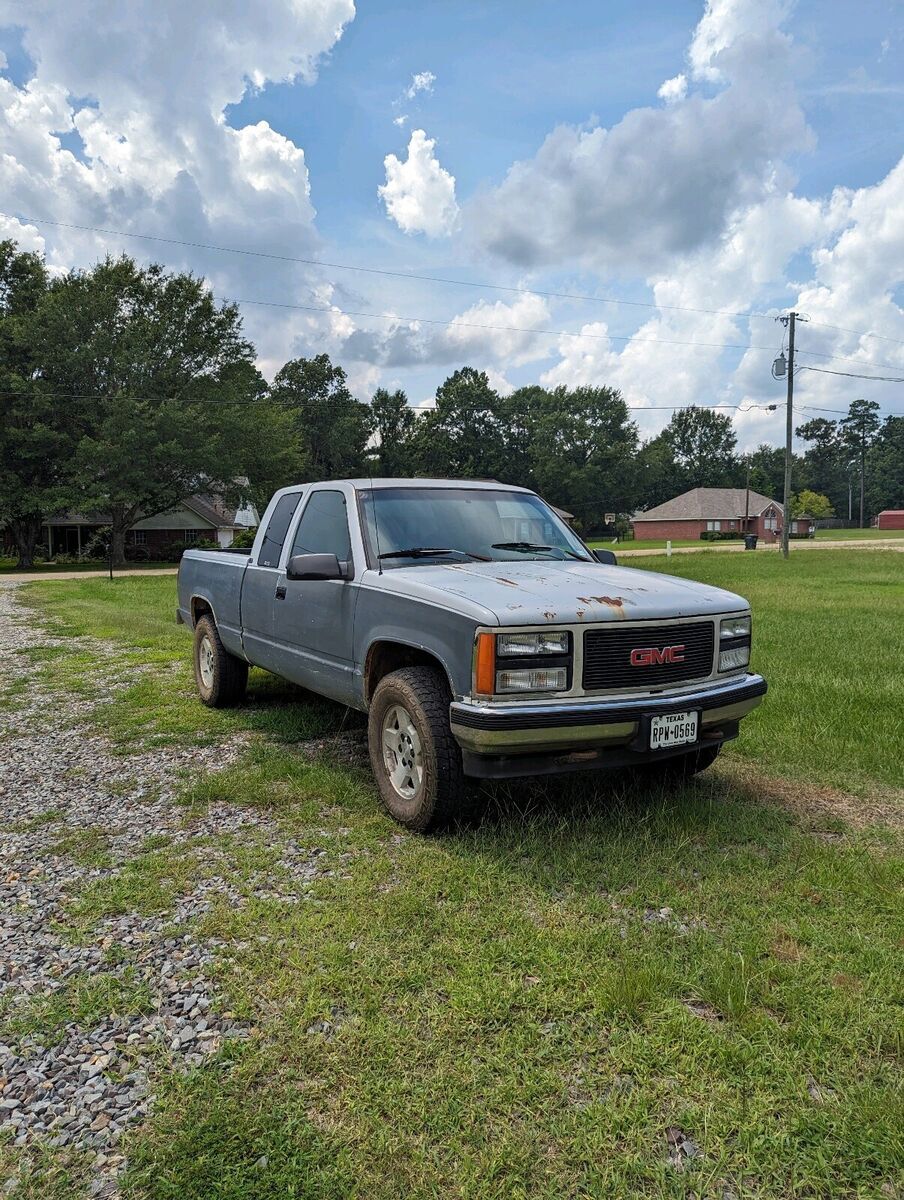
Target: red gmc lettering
651, 656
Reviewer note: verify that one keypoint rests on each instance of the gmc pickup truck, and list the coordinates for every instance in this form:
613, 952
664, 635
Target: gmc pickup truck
481, 636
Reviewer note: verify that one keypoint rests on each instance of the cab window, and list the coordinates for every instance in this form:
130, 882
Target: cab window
323, 528
277, 528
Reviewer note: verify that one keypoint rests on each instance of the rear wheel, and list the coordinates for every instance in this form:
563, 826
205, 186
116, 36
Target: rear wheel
681, 767
221, 678
416, 760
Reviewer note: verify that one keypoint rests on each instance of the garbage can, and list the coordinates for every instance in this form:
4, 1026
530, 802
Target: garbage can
750, 540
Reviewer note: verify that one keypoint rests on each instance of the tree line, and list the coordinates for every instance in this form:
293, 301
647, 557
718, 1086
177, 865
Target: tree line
126, 388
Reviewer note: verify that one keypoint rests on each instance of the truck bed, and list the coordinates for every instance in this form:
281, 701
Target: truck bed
214, 578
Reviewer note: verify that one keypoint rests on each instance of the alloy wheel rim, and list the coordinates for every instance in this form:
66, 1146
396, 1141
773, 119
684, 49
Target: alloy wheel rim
403, 755
205, 662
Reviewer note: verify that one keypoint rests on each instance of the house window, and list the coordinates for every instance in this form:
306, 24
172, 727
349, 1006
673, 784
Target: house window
191, 535
139, 537
732, 524
714, 526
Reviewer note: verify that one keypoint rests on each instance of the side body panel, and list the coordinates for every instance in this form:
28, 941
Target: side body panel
215, 578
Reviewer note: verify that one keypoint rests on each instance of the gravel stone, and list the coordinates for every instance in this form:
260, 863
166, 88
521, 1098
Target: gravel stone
59, 778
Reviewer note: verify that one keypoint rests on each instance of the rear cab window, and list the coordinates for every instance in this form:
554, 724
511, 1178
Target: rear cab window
277, 528
323, 528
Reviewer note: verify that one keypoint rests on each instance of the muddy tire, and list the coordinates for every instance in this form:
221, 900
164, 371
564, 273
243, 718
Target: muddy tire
416, 760
677, 770
221, 678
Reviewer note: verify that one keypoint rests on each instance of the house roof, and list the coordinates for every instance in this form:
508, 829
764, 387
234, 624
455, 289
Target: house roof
707, 504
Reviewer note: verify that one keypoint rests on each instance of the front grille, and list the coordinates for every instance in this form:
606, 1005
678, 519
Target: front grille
607, 655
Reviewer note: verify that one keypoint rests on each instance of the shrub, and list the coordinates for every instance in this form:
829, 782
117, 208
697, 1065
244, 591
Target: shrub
717, 535
173, 551
244, 539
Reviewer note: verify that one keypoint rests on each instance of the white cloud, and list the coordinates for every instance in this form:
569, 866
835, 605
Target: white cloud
423, 81
400, 121
673, 90
158, 155
663, 181
499, 332
418, 193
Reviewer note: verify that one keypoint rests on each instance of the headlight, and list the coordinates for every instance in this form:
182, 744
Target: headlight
539, 679
734, 643
733, 627
512, 644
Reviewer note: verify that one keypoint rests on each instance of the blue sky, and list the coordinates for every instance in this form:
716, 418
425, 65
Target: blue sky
736, 155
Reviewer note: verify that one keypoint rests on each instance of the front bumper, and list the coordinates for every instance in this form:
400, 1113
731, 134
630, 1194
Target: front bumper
595, 732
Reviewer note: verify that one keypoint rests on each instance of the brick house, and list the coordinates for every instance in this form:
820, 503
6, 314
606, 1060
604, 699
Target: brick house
715, 510
197, 519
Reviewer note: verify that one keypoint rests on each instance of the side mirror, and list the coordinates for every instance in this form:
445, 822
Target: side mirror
315, 566
605, 556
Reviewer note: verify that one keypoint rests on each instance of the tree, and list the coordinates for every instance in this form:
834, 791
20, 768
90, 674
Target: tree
392, 421
583, 450
333, 427
826, 465
858, 430
659, 477
767, 470
465, 434
166, 395
885, 467
37, 434
703, 444
811, 504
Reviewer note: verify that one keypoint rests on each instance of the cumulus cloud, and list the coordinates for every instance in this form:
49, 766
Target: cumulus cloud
157, 153
663, 181
673, 90
419, 194
400, 121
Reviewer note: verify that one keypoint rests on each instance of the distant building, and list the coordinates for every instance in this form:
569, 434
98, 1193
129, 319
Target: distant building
715, 510
196, 519
890, 518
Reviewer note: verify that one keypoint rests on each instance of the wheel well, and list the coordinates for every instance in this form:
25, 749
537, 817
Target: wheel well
200, 608
386, 657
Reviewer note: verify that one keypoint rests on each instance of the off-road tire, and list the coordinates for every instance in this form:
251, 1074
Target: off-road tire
681, 767
227, 675
424, 695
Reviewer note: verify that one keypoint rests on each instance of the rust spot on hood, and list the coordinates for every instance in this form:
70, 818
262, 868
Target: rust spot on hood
550, 616
507, 582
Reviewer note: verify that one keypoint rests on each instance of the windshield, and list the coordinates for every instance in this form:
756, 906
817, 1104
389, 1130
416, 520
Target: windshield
462, 525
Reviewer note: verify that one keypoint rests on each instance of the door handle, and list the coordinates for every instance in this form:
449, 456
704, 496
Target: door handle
281, 591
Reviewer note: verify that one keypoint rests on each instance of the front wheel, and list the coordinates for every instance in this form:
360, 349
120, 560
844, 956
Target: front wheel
415, 758
221, 678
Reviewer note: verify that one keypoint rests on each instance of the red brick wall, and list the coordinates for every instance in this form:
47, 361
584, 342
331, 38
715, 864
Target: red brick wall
668, 529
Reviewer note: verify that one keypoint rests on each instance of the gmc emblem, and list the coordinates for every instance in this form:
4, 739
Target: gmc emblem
651, 656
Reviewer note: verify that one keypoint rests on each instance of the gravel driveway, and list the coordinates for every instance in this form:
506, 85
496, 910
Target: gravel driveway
74, 1084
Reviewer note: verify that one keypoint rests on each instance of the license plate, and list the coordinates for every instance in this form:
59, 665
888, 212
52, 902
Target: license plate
674, 729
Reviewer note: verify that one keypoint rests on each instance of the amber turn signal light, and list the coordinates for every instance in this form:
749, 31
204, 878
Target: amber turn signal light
485, 672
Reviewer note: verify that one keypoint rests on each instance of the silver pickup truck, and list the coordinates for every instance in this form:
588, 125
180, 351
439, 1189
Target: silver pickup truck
479, 633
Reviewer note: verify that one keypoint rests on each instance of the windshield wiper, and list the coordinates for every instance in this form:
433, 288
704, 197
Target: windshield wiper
429, 552
526, 547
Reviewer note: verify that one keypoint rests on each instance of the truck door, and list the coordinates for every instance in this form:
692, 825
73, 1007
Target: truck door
259, 587
314, 619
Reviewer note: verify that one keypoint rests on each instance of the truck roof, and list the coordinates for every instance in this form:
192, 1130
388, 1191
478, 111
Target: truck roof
367, 482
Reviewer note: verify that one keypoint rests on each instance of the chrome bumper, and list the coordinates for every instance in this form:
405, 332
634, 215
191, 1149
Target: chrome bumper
529, 728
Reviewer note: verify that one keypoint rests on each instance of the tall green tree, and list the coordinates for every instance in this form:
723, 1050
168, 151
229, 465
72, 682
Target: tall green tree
885, 467
37, 434
465, 434
583, 449
703, 443
333, 427
165, 390
659, 477
767, 470
392, 421
859, 429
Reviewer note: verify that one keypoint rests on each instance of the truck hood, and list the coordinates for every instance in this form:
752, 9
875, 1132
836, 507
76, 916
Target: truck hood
555, 592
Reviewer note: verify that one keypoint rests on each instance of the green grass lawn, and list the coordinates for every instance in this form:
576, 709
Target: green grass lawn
834, 535
823, 535
525, 1008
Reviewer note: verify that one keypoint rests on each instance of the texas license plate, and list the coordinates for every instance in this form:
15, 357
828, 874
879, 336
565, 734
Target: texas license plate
674, 729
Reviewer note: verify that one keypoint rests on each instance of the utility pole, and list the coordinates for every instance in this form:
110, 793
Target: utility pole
789, 429
747, 500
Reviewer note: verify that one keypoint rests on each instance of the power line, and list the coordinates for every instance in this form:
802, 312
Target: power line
469, 283
857, 332
855, 375
334, 266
